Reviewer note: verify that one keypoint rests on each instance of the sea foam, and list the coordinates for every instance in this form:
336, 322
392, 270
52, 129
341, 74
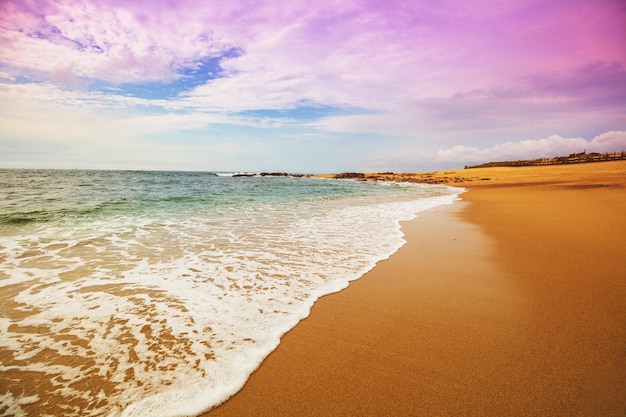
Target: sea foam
167, 311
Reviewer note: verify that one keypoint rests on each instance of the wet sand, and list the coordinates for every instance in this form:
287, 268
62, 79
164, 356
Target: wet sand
510, 302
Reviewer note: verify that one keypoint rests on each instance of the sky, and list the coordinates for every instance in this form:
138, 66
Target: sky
308, 86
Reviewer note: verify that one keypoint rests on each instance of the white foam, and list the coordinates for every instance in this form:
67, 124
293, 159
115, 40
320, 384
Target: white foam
13, 407
232, 174
189, 307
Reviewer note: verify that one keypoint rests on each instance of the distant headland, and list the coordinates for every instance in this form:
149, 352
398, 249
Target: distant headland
574, 158
478, 174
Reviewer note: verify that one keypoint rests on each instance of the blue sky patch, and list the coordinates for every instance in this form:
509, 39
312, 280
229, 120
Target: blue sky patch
190, 77
304, 112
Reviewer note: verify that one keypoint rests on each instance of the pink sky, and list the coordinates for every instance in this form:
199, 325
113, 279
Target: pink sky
306, 85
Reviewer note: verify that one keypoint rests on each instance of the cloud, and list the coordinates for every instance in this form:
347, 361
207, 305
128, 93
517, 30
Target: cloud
594, 84
113, 43
582, 100
7, 76
379, 56
554, 145
405, 78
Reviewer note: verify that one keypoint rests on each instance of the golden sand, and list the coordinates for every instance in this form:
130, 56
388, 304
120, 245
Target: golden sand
512, 302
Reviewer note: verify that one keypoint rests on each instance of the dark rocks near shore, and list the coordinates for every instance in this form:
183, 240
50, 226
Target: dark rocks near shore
274, 174
270, 174
350, 175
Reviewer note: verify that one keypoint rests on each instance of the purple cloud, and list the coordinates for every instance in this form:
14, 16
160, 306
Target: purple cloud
594, 84
102, 41
429, 75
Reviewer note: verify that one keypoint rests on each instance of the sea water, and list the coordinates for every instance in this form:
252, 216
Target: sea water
127, 293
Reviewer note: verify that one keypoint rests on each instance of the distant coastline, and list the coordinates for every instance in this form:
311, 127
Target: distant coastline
574, 158
476, 174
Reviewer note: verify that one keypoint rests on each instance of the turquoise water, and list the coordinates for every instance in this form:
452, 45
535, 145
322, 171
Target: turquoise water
50, 195
158, 293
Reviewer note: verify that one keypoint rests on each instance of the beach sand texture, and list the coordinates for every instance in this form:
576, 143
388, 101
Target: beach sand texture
511, 302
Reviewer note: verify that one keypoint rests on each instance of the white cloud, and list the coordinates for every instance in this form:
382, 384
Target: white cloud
105, 42
554, 145
6, 76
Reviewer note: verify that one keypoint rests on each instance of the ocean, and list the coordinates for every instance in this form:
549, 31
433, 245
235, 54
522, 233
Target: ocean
135, 293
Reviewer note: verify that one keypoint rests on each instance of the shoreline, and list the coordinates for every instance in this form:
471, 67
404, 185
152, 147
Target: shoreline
509, 302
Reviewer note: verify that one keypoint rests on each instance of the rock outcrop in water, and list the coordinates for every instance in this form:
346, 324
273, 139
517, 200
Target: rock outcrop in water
350, 175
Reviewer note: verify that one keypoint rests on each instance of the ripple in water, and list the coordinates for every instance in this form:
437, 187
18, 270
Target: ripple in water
158, 293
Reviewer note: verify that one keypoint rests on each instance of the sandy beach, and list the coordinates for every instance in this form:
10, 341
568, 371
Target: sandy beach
510, 302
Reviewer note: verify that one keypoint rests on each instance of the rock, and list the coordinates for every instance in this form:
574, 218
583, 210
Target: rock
349, 175
274, 174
